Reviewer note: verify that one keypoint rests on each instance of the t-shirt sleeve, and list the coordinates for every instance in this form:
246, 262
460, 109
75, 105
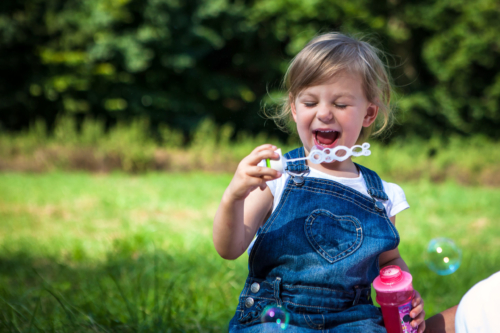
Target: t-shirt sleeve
397, 199
478, 311
469, 313
272, 184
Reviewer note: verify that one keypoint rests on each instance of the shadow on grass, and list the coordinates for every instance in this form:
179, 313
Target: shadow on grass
151, 291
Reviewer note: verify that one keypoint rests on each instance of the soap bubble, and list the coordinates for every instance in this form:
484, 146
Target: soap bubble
443, 256
277, 315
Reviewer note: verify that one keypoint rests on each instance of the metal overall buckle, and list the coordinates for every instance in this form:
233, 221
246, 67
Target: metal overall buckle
297, 177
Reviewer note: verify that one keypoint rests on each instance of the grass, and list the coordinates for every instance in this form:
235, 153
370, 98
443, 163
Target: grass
120, 253
113, 253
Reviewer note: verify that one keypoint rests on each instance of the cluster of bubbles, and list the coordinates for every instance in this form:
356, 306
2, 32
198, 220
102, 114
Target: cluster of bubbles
443, 256
277, 315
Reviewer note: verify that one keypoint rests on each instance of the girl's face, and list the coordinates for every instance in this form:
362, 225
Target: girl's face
332, 114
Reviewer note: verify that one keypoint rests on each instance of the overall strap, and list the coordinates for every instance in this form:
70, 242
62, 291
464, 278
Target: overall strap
373, 183
296, 167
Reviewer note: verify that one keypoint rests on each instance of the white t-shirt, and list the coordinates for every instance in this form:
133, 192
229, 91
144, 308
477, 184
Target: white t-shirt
396, 203
478, 310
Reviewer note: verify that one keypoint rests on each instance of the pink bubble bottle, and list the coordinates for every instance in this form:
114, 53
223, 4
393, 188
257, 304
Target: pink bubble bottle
395, 294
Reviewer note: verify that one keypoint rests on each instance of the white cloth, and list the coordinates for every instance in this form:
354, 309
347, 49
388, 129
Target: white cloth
396, 203
479, 308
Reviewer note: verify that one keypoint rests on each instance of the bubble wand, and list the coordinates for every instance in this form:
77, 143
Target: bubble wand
318, 156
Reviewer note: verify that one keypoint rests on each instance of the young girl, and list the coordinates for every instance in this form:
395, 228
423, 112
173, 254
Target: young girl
324, 230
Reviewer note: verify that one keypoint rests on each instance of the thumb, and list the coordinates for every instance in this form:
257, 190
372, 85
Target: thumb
263, 186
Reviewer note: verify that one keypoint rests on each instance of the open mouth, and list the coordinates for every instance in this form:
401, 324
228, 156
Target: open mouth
325, 138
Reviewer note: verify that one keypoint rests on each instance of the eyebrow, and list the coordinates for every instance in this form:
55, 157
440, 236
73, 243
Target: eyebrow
334, 96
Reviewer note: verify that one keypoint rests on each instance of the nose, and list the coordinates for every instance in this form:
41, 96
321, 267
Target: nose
324, 113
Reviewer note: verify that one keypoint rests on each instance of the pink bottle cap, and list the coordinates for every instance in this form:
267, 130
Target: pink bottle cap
391, 274
391, 279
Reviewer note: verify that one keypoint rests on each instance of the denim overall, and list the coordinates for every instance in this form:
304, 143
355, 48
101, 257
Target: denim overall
317, 255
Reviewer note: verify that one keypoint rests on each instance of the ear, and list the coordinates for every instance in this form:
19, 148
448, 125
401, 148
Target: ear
371, 115
292, 107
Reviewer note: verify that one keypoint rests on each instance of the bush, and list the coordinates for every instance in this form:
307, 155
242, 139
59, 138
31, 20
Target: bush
130, 146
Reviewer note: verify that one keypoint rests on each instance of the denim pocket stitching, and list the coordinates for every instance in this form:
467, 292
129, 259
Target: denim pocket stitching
258, 297
247, 319
253, 314
311, 324
289, 286
241, 303
314, 306
310, 237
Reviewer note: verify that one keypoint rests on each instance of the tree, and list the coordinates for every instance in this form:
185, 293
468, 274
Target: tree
178, 62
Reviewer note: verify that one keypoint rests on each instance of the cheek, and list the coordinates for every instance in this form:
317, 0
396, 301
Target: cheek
300, 119
302, 126
353, 120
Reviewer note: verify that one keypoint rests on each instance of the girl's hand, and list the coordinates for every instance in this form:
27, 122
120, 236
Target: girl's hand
249, 176
418, 313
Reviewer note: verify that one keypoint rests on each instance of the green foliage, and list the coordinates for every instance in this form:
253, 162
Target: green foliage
132, 143
91, 133
65, 131
179, 62
470, 161
461, 54
170, 138
131, 147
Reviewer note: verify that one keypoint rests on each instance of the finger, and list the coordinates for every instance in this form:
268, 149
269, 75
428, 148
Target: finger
264, 147
421, 328
255, 181
269, 178
263, 186
419, 321
255, 157
258, 171
416, 311
417, 301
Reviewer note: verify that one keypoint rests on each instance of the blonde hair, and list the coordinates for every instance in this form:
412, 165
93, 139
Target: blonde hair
326, 56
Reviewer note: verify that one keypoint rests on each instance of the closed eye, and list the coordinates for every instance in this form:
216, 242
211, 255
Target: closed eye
340, 106
310, 105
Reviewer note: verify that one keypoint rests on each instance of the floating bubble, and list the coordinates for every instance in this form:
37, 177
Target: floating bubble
276, 314
443, 256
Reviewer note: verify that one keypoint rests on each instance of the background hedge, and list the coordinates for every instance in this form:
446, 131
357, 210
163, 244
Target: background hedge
177, 62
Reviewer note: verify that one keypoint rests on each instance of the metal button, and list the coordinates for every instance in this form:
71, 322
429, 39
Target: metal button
298, 180
379, 206
255, 287
249, 302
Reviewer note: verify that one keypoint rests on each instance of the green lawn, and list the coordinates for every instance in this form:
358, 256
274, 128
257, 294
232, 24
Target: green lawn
82, 252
